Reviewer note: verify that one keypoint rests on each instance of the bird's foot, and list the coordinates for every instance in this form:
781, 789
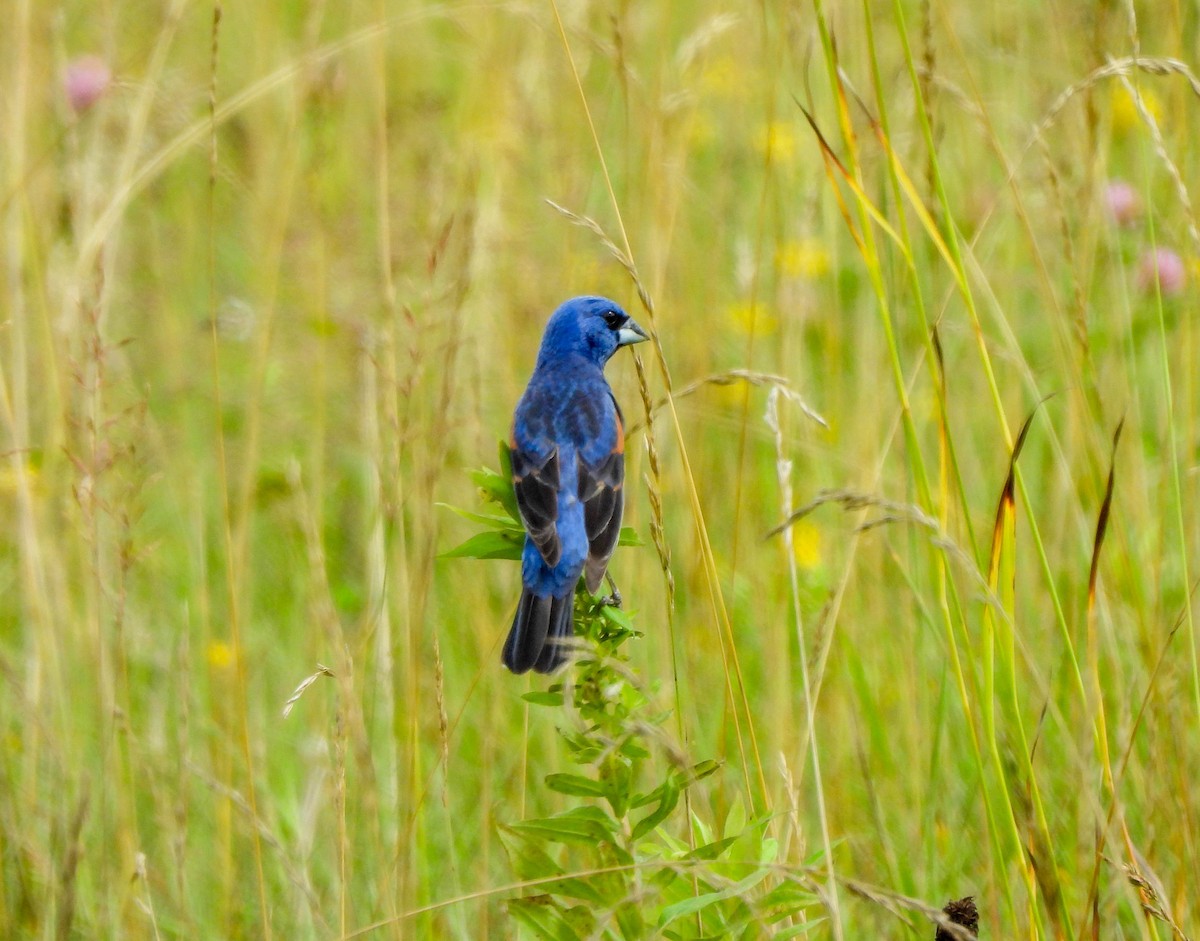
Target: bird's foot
614, 600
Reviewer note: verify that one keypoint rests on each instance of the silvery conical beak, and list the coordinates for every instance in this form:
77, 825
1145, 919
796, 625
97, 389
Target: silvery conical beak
631, 333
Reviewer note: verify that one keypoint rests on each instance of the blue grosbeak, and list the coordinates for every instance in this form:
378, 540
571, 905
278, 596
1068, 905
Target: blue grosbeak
568, 466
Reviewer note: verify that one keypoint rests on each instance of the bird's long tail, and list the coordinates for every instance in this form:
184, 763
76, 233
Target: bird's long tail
541, 626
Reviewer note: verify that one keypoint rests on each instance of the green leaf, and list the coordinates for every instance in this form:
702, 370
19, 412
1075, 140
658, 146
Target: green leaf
712, 850
581, 919
493, 485
617, 617
688, 906
575, 784
498, 487
533, 864
487, 545
548, 697
613, 854
631, 922
662, 879
673, 844
701, 770
796, 930
583, 825
540, 915
697, 903
642, 800
528, 860
491, 520
573, 888
616, 777
629, 537
789, 897
817, 857
735, 820
668, 798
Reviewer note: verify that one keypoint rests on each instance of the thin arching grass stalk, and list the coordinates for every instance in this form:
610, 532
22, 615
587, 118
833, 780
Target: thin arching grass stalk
888, 900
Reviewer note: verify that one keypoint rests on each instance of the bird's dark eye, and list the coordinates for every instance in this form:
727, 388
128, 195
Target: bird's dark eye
614, 319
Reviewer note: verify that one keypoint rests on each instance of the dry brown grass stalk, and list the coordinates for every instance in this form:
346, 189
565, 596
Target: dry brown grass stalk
948, 924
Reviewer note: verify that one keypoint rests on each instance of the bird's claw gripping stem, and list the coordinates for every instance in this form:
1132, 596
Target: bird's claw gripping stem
614, 600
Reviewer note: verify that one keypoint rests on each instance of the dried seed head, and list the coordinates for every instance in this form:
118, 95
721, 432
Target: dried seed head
961, 912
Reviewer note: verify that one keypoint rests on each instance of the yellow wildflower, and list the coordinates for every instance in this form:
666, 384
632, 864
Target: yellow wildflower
10, 477
722, 78
779, 140
1125, 116
806, 544
805, 258
220, 655
732, 396
754, 318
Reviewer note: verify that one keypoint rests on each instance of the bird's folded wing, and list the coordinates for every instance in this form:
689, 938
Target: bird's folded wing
601, 491
535, 481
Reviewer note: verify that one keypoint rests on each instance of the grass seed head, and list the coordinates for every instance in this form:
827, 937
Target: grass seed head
961, 912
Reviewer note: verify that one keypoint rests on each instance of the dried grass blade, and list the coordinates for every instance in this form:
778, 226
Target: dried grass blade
831, 162
1007, 506
1102, 521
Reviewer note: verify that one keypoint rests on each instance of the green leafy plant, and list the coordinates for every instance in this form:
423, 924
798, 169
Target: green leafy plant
627, 860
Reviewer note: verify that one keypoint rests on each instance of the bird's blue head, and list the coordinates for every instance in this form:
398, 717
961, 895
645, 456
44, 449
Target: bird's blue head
591, 327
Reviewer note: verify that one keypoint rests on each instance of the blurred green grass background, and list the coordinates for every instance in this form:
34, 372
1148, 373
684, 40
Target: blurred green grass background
242, 360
